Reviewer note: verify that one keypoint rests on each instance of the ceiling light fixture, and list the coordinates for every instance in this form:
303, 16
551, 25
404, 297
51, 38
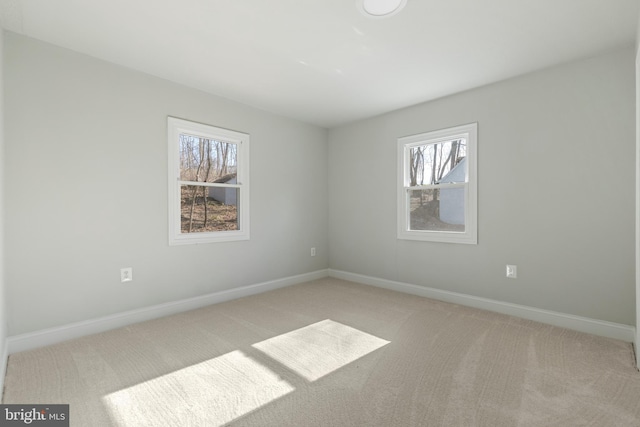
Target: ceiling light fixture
380, 8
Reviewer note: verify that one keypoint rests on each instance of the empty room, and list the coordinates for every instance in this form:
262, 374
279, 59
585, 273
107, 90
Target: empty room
319, 213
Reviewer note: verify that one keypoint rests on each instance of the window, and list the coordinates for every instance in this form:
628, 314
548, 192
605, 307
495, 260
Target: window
437, 186
208, 183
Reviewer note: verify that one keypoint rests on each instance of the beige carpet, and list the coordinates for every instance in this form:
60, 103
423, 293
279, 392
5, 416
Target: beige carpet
334, 353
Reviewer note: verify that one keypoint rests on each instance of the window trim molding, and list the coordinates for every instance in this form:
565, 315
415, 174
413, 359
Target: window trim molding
470, 235
175, 127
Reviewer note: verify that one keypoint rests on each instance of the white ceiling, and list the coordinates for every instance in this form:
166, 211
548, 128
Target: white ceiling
322, 61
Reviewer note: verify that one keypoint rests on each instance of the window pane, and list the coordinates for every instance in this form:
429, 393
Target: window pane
207, 160
437, 209
207, 209
438, 163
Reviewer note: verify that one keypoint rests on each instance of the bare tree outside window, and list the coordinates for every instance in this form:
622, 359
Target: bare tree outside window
213, 207
438, 185
433, 161
431, 165
208, 183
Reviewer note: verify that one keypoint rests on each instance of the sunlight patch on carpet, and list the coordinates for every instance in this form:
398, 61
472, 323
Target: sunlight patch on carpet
210, 393
319, 349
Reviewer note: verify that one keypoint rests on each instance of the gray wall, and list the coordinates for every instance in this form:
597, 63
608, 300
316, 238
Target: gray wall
556, 192
86, 158
86, 155
637, 258
3, 313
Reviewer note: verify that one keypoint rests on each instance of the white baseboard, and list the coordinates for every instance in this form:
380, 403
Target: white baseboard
31, 340
58, 334
4, 357
577, 323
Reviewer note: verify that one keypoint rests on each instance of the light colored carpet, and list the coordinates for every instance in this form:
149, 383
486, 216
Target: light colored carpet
334, 353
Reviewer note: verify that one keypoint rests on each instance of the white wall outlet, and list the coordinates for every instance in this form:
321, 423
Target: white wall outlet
126, 274
512, 271
313, 251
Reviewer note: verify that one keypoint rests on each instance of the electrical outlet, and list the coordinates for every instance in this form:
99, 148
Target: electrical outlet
126, 274
512, 271
313, 251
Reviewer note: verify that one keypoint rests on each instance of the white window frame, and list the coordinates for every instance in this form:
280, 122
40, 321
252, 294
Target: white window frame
176, 127
470, 236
